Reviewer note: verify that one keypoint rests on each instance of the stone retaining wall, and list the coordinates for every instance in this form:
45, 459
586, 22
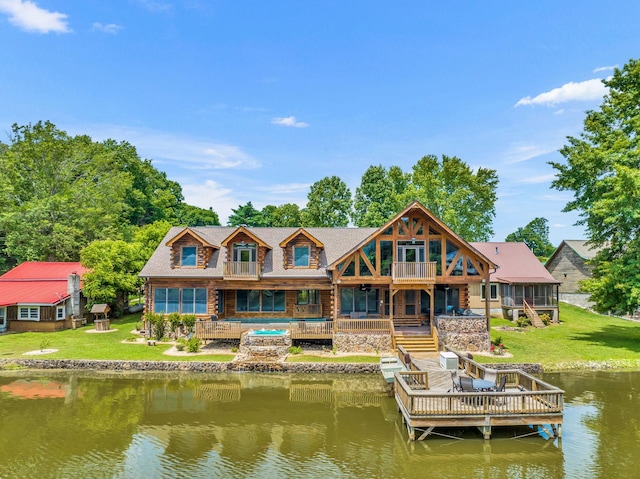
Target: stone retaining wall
463, 333
361, 343
191, 366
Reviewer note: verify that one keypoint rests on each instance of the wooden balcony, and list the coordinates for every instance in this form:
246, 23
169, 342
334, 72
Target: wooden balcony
242, 270
413, 273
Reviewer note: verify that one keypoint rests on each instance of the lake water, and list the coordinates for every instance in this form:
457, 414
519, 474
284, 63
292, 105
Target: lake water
106, 425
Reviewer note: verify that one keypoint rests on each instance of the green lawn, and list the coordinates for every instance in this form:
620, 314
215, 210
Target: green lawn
581, 340
78, 344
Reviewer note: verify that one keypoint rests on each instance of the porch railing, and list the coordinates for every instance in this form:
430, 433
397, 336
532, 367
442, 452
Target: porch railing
414, 272
218, 329
250, 270
311, 330
372, 326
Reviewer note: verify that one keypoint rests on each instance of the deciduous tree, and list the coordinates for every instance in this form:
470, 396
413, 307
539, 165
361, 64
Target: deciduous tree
329, 203
602, 170
536, 236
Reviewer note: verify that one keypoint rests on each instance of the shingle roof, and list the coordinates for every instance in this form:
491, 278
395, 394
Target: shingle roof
37, 283
516, 263
337, 242
582, 248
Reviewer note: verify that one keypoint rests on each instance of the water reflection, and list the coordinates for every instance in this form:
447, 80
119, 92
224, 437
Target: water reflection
260, 425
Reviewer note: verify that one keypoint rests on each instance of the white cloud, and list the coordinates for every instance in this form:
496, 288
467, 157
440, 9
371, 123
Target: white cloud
559, 225
29, 17
211, 194
537, 179
520, 153
605, 69
286, 189
111, 28
155, 6
193, 154
289, 121
572, 91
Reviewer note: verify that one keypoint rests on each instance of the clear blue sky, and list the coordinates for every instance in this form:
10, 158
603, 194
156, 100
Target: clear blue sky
256, 100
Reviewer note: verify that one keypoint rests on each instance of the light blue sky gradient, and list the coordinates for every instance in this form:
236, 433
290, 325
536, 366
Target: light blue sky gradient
256, 100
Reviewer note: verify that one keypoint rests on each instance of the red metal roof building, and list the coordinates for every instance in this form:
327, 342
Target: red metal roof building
38, 292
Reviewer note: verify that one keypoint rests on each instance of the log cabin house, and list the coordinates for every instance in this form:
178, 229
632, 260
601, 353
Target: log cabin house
401, 275
41, 296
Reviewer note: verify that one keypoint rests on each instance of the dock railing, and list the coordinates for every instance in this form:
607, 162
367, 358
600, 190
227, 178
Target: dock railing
525, 395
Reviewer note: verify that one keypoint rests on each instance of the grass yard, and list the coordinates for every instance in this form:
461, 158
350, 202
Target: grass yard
582, 340
78, 344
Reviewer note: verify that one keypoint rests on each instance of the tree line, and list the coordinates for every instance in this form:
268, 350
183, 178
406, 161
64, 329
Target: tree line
69, 198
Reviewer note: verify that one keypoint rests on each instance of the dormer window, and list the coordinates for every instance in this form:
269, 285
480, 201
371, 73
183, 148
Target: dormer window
188, 256
301, 256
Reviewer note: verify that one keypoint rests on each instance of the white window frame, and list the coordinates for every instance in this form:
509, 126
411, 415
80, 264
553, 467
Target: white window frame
3, 316
492, 287
61, 309
29, 316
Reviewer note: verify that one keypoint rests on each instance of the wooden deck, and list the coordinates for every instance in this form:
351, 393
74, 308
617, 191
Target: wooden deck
299, 329
427, 402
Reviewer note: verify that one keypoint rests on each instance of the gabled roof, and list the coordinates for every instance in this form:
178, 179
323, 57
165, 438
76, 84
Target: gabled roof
190, 232
516, 263
336, 242
581, 247
419, 206
43, 283
303, 232
243, 229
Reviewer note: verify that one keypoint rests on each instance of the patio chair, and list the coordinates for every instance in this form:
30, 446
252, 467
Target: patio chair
466, 385
502, 385
490, 375
455, 383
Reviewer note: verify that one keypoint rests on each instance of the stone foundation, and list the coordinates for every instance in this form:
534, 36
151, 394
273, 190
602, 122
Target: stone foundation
190, 366
463, 333
361, 343
255, 347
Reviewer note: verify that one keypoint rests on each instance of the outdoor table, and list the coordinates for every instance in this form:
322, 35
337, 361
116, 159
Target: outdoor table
482, 385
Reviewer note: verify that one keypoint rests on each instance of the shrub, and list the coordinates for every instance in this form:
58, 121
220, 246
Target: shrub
189, 321
523, 322
44, 344
181, 344
546, 319
174, 322
295, 349
234, 349
158, 325
193, 345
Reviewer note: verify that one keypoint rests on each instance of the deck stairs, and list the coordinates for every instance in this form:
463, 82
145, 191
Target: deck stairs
533, 316
415, 342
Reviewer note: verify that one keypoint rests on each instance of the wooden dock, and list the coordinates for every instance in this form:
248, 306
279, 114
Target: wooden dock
427, 401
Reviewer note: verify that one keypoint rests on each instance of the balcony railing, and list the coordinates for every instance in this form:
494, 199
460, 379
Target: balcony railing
247, 270
417, 272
